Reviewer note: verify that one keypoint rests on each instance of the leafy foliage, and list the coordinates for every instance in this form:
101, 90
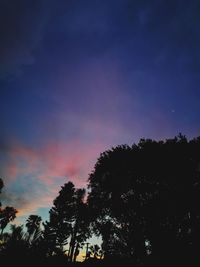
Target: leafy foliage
143, 200
138, 196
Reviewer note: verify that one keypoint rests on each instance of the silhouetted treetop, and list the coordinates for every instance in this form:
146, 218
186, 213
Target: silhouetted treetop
148, 193
7, 214
1, 184
143, 200
68, 223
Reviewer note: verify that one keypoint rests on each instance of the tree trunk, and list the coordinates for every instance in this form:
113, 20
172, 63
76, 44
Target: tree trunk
73, 242
2, 232
86, 253
72, 249
75, 252
69, 251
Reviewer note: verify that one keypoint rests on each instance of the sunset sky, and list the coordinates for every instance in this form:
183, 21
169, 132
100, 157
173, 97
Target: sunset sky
80, 76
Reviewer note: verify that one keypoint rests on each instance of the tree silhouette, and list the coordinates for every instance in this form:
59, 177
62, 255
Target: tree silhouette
68, 222
144, 201
61, 214
33, 227
80, 225
113, 197
16, 245
139, 193
95, 251
1, 184
7, 215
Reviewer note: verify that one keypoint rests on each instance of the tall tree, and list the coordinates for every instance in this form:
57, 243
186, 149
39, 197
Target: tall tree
1, 186
140, 193
80, 225
7, 214
68, 222
33, 227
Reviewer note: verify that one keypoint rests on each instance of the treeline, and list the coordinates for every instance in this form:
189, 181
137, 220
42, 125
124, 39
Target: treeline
143, 200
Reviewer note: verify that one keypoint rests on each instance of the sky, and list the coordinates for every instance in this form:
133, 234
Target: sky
79, 77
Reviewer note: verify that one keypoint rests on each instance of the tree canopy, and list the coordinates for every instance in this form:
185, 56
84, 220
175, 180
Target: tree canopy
147, 196
7, 214
143, 200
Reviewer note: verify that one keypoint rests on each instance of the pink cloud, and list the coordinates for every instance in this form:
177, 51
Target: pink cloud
85, 135
49, 168
12, 170
51, 161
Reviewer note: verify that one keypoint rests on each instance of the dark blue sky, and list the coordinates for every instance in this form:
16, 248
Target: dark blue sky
77, 77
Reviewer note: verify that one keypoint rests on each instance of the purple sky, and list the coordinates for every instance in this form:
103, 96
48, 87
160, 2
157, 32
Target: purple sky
78, 77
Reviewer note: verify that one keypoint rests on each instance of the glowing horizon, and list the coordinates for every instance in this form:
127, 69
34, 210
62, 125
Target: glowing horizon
77, 79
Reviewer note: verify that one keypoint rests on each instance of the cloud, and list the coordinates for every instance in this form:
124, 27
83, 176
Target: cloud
71, 137
33, 176
92, 104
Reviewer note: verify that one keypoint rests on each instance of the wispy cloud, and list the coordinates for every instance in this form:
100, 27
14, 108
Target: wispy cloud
33, 176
